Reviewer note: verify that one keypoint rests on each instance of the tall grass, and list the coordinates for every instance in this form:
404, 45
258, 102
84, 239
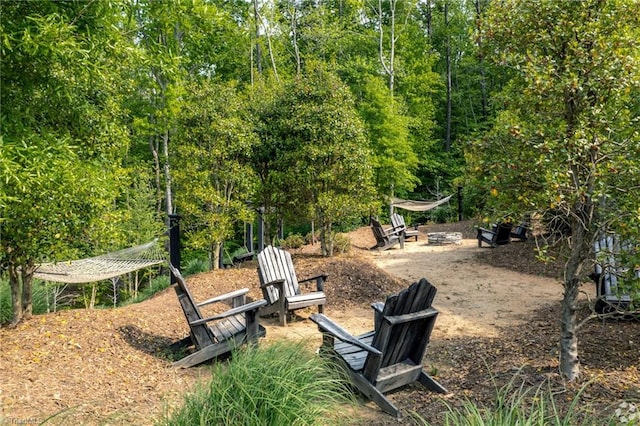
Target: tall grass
41, 296
524, 406
283, 383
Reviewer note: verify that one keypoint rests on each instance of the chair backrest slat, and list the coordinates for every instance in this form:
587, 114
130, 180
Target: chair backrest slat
405, 340
276, 264
201, 334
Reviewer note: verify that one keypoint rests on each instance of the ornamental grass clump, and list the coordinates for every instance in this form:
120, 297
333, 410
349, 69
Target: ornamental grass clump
283, 383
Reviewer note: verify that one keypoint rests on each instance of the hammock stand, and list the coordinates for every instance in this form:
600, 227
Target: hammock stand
103, 267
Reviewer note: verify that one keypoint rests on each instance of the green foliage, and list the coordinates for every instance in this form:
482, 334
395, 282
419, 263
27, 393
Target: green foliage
195, 266
568, 126
341, 243
293, 241
156, 285
280, 384
313, 161
520, 405
388, 129
212, 174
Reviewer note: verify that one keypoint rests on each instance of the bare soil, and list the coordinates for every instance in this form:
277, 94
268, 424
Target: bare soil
498, 321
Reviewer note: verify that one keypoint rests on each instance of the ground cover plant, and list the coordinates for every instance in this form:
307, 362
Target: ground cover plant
282, 383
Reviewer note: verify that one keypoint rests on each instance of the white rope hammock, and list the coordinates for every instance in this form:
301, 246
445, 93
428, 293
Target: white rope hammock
418, 206
103, 267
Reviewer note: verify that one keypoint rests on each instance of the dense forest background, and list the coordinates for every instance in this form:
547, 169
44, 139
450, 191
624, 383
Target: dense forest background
117, 114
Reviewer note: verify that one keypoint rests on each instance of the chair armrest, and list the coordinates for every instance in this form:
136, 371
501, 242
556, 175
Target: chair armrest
223, 297
393, 230
326, 325
399, 319
378, 307
277, 283
319, 279
253, 306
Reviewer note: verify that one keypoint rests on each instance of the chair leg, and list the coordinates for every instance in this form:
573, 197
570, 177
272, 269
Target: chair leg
374, 394
428, 382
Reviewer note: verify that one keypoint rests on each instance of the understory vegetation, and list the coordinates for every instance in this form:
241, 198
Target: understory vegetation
283, 383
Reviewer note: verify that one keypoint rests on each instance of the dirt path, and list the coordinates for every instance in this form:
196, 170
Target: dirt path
473, 299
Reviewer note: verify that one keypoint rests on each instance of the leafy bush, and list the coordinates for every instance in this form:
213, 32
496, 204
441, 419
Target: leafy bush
341, 243
293, 241
195, 265
311, 237
280, 384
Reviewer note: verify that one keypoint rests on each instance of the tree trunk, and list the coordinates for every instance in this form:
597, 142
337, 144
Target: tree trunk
167, 173
447, 145
581, 240
483, 79
27, 293
569, 361
256, 18
215, 255
16, 295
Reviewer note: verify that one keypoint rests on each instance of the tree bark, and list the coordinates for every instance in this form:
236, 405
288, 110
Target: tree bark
27, 292
569, 361
447, 145
16, 295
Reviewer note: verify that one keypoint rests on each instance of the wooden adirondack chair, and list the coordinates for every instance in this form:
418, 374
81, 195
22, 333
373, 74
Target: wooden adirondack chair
391, 355
386, 238
218, 334
500, 234
278, 276
607, 274
519, 233
397, 221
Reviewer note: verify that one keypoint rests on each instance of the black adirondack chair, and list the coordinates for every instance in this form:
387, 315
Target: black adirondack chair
519, 233
608, 273
386, 238
391, 355
397, 221
500, 234
278, 277
218, 334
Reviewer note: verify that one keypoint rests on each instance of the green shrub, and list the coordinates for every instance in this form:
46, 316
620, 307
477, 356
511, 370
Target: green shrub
293, 241
341, 243
311, 237
195, 266
281, 384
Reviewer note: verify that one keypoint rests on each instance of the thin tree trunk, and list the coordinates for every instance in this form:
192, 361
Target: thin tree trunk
483, 78
569, 361
94, 293
167, 173
447, 146
256, 18
16, 295
153, 147
575, 270
27, 292
294, 39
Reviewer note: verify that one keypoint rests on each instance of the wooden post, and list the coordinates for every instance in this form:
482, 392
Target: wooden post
248, 238
459, 203
174, 243
260, 229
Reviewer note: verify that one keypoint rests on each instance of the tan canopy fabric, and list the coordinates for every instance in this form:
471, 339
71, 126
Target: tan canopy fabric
103, 267
418, 206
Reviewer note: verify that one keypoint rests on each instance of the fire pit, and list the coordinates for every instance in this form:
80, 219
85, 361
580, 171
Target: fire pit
443, 238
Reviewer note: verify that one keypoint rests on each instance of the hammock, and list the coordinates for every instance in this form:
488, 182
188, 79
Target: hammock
417, 206
103, 267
